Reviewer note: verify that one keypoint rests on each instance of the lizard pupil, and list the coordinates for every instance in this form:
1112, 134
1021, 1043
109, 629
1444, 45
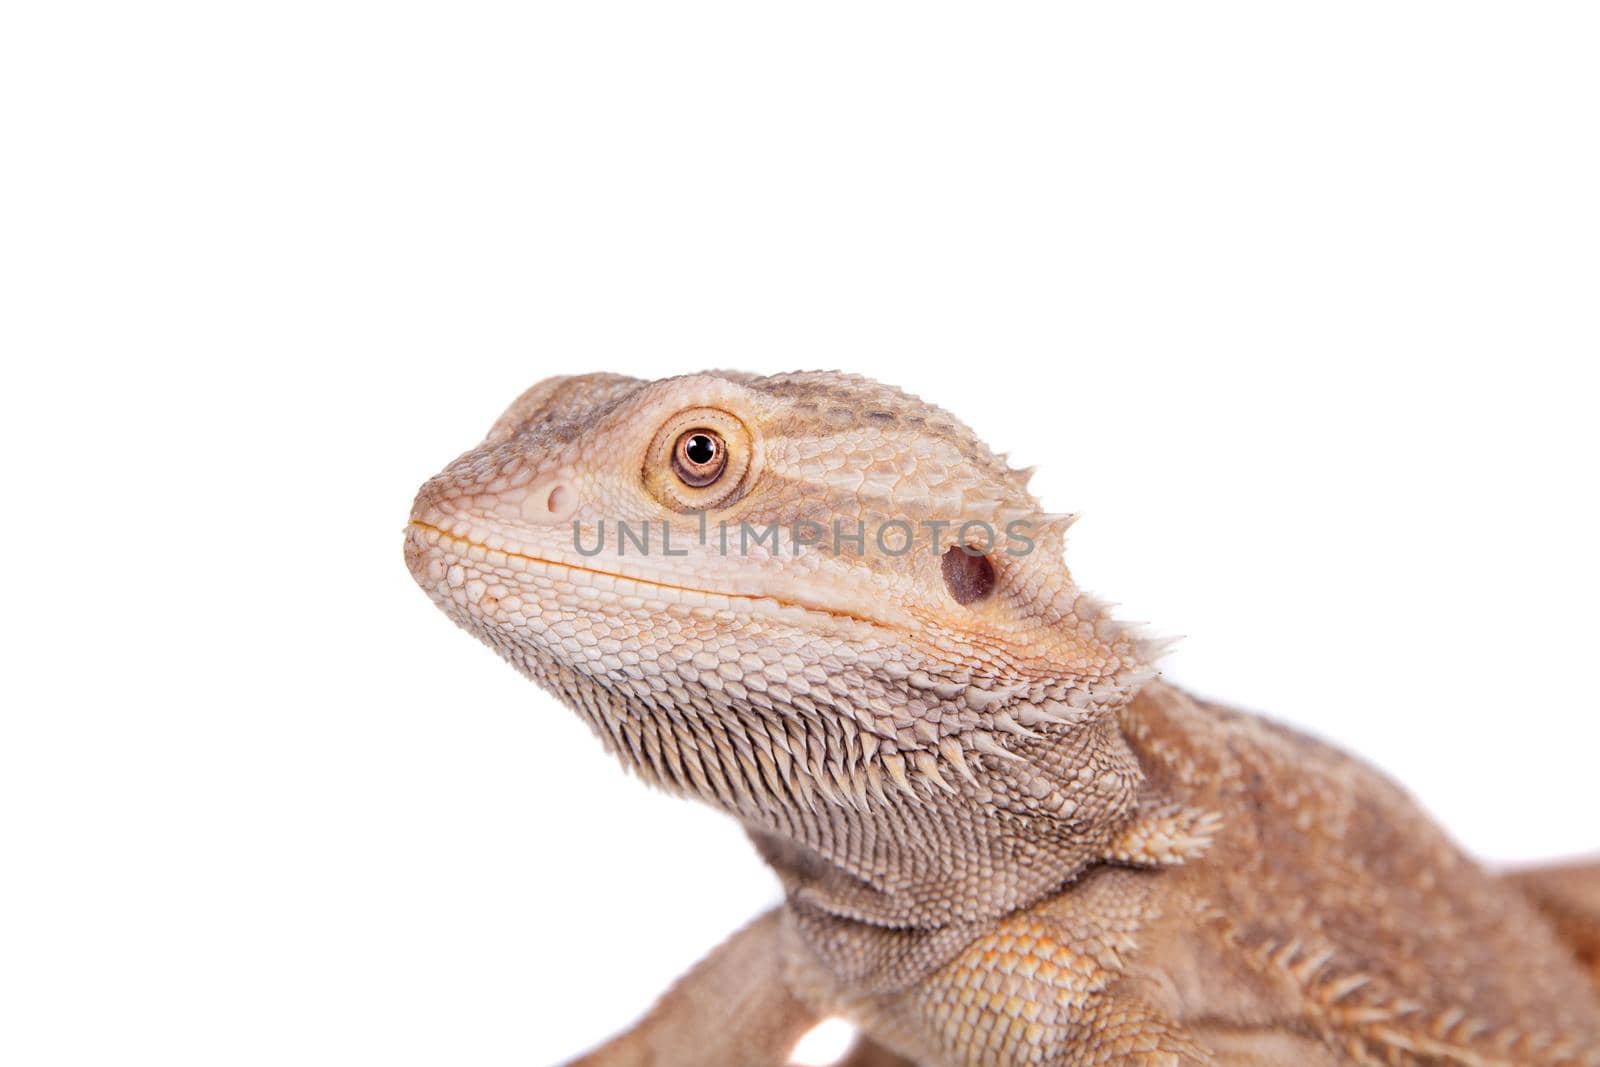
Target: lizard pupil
699, 458
700, 449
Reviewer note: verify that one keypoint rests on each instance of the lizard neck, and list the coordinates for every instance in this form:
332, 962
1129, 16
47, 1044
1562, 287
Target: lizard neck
849, 831
976, 851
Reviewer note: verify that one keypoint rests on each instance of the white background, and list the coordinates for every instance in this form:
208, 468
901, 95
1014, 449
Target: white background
1297, 303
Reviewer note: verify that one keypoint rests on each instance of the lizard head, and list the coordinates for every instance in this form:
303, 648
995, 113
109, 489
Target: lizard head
773, 591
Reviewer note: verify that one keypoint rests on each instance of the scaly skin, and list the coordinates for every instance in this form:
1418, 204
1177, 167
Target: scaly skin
1003, 841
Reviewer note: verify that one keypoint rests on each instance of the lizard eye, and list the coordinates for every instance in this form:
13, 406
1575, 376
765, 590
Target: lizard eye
699, 458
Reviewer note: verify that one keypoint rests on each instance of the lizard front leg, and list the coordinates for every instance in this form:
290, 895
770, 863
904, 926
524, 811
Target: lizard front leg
1026, 996
732, 1008
1047, 986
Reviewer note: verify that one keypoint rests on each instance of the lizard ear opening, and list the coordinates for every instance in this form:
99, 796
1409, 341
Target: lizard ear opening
700, 459
968, 574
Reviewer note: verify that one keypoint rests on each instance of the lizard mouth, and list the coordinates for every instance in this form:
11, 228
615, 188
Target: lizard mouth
426, 535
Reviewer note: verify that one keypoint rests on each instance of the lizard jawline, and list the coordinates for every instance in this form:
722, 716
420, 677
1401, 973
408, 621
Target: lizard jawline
462, 546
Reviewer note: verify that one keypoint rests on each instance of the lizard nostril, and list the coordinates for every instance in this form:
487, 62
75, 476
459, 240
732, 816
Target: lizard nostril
548, 503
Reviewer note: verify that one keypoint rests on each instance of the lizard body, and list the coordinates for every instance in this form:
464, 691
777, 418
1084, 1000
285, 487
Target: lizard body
1003, 840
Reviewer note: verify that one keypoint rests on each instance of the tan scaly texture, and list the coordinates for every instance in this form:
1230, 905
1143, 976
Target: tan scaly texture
1002, 839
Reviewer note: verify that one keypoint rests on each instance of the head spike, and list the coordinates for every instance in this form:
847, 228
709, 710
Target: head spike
895, 764
1058, 522
950, 749
1153, 648
869, 746
875, 783
844, 783
1011, 726
1034, 714
984, 742
984, 699
802, 786
824, 783
928, 767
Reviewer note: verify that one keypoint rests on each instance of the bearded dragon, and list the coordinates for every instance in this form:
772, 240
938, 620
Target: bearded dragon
1003, 839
